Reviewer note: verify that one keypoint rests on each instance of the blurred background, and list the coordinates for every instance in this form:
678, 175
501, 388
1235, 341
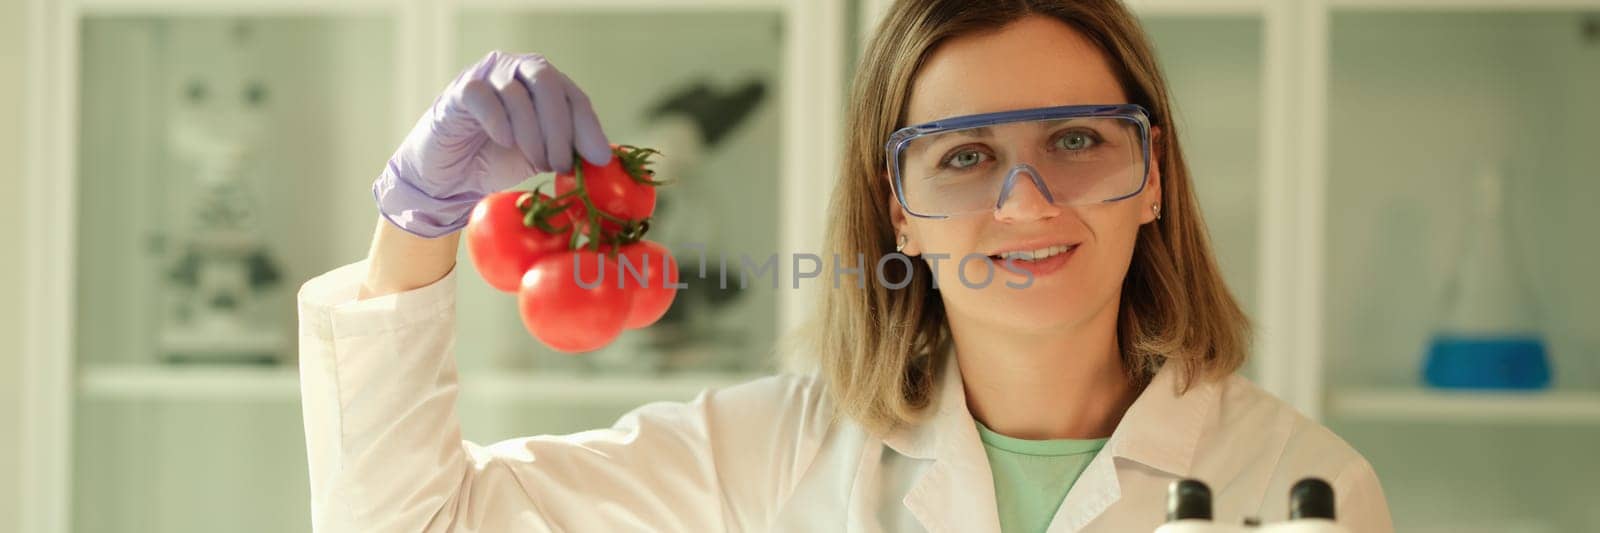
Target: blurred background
1401, 194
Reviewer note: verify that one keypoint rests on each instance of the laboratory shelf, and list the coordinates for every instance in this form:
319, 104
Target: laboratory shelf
1200, 8
1462, 5
1523, 526
207, 383
215, 7
1415, 404
568, 6
255, 384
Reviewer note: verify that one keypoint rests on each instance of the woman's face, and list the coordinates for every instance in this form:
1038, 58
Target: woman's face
1034, 62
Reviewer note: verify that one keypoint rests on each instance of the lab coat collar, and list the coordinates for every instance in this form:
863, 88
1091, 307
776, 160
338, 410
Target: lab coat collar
955, 493
1161, 430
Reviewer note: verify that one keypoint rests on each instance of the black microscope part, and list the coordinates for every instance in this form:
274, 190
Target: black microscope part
1311, 498
1188, 499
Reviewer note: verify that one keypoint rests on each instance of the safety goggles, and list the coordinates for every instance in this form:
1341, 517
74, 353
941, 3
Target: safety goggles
1073, 155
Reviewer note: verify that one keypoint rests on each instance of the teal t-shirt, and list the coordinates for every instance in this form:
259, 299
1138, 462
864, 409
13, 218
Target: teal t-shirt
1031, 477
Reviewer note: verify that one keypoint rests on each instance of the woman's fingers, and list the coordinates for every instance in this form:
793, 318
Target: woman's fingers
525, 103
480, 100
550, 104
590, 139
525, 123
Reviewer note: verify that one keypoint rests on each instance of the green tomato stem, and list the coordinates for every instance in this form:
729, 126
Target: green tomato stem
634, 161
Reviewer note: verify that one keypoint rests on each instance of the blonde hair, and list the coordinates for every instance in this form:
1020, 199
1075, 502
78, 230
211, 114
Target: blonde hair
880, 349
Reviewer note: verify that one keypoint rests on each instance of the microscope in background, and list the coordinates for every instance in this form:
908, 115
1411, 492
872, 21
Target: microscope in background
689, 126
221, 270
1310, 510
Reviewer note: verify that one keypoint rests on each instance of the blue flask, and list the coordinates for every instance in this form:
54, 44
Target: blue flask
1489, 334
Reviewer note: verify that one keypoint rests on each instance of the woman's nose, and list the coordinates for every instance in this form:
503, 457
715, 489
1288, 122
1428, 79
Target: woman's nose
1024, 198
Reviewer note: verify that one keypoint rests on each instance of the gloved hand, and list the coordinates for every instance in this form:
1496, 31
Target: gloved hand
502, 120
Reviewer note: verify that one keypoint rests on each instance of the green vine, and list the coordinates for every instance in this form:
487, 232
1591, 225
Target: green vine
537, 210
635, 162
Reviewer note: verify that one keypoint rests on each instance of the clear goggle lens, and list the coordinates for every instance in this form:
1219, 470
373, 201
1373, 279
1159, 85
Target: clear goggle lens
1077, 161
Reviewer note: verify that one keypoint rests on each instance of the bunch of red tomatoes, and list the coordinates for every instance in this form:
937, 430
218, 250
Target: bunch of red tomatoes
578, 261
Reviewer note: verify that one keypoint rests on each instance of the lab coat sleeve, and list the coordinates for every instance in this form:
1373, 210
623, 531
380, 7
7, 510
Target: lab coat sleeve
379, 387
1359, 501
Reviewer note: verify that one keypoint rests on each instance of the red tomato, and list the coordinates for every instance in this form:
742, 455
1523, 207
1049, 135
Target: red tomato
502, 247
563, 314
612, 188
651, 301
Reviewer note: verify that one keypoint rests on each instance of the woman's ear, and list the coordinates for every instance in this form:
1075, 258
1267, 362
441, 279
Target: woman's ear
899, 221
1152, 204
897, 216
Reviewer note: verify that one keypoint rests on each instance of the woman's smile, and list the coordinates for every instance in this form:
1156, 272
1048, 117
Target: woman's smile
1038, 265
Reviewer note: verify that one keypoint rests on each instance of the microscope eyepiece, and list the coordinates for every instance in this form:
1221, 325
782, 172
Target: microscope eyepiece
1311, 498
1188, 499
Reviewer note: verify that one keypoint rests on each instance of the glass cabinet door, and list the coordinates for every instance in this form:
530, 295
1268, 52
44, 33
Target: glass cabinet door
1214, 70
220, 164
1460, 191
704, 87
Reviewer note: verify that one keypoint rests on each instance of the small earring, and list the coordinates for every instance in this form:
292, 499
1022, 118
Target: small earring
1157, 209
901, 244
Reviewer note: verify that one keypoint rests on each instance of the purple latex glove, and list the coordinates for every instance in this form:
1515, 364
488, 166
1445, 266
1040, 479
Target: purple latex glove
501, 121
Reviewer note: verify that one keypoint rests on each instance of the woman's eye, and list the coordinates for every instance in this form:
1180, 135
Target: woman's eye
1076, 141
964, 159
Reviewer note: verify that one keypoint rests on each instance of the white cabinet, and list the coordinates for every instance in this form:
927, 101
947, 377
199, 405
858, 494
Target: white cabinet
1422, 98
1331, 142
161, 359
188, 187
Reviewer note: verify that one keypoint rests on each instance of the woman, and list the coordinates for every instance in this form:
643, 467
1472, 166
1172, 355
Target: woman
1069, 404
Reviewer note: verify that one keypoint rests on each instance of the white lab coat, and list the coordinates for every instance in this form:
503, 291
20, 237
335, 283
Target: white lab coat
378, 384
